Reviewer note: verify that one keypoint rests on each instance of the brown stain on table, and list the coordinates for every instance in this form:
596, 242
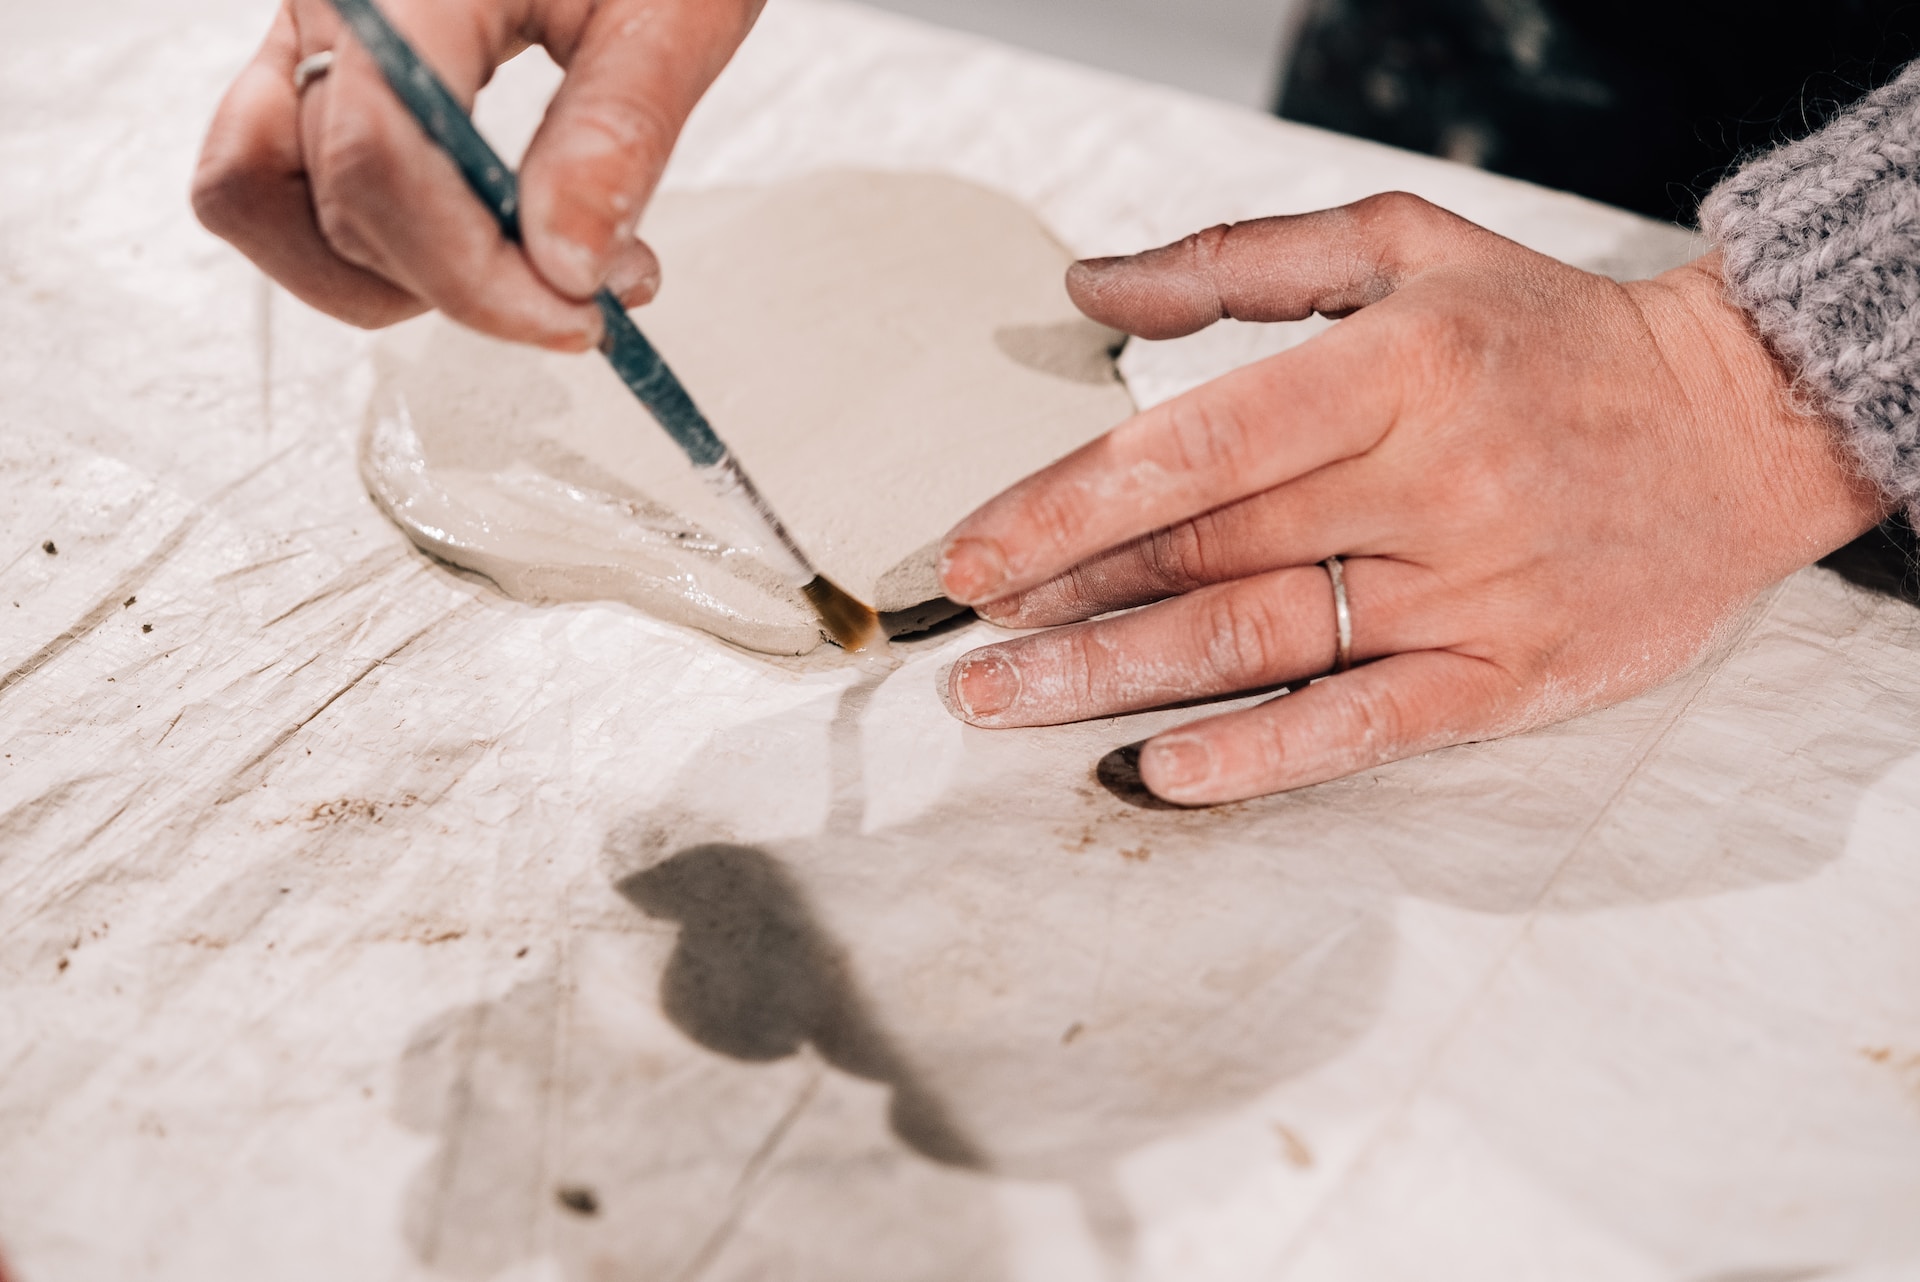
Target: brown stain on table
1292, 1147
1904, 1064
345, 810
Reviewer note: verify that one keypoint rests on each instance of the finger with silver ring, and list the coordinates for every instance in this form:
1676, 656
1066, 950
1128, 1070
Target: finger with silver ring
311, 68
1335, 509
1267, 630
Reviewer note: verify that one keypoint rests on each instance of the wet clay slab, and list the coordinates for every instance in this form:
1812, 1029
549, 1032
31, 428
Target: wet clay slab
883, 352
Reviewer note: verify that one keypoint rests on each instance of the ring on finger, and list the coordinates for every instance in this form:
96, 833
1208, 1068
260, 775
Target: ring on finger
1342, 615
311, 68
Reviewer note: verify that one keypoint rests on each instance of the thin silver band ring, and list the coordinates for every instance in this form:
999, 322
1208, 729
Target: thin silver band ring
1342, 615
310, 69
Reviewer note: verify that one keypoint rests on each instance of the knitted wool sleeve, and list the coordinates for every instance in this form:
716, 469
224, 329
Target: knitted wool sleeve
1821, 246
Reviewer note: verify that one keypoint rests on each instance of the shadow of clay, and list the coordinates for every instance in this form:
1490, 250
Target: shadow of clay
755, 978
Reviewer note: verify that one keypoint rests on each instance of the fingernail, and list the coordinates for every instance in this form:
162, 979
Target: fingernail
972, 570
1176, 764
985, 685
633, 283
1005, 611
579, 340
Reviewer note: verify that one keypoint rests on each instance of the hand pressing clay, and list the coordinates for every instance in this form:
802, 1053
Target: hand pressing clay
883, 352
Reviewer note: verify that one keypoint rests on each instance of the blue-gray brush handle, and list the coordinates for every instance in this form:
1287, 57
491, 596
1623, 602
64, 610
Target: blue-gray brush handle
633, 358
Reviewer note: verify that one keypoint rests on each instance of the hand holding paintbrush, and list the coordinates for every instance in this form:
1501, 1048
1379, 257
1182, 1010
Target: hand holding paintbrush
848, 621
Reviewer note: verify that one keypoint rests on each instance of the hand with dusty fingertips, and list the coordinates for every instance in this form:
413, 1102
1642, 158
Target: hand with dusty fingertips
336, 193
1550, 492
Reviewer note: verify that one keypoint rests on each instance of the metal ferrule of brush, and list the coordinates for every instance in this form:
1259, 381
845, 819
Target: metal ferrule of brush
735, 488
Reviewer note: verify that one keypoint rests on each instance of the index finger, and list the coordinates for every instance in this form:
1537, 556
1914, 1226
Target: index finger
1248, 431
635, 69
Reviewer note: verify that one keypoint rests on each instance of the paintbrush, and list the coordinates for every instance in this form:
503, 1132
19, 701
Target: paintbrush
847, 620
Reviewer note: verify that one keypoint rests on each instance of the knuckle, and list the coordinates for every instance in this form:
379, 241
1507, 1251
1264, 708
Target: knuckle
1203, 247
1093, 672
1392, 211
609, 141
1057, 514
1376, 719
224, 192
1439, 350
1076, 591
628, 123
1177, 558
1480, 487
1395, 229
1241, 638
1084, 671
1432, 331
1207, 434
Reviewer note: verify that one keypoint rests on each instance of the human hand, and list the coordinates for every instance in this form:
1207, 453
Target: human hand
340, 196
1552, 491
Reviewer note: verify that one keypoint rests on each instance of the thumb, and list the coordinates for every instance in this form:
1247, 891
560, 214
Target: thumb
635, 69
1332, 262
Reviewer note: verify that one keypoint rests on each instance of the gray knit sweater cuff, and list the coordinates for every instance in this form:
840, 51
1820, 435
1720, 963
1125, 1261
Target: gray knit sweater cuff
1821, 242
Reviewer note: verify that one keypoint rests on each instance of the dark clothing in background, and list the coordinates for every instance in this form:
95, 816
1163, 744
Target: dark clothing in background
1636, 103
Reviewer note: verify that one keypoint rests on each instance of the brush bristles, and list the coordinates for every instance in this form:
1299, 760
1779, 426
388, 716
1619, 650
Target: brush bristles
848, 621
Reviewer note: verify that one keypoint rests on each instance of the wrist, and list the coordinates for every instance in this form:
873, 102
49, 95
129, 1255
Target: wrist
1785, 458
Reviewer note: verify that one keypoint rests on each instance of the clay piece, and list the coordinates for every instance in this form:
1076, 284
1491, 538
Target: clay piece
883, 353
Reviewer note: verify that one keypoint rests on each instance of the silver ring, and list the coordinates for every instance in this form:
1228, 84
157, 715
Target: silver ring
1342, 616
310, 69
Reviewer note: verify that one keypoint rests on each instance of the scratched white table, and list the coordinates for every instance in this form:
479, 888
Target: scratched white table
357, 922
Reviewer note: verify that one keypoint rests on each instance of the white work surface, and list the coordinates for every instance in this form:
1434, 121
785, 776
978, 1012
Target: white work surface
354, 913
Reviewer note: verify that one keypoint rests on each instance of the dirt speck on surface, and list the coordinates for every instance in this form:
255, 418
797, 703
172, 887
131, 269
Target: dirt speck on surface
146, 627
1292, 1147
577, 1198
49, 548
343, 810
1904, 1064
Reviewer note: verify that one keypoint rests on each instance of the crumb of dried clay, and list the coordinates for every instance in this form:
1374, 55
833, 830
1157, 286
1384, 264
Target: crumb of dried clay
577, 1199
